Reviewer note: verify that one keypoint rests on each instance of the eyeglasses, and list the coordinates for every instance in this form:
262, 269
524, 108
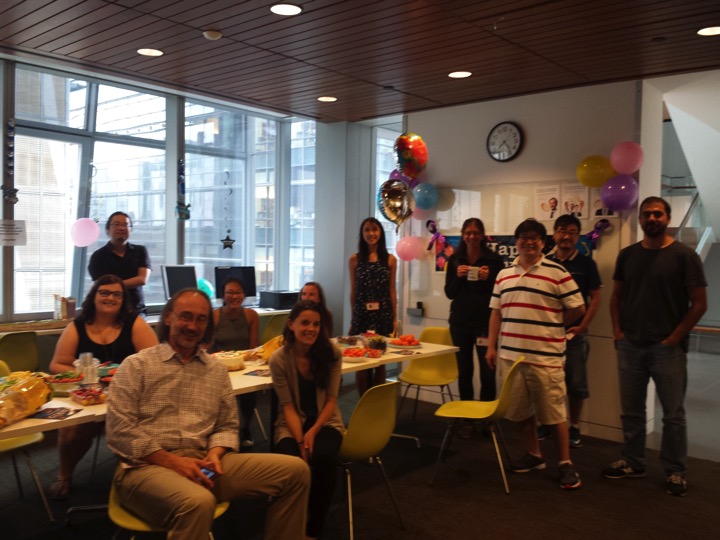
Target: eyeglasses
234, 293
120, 225
563, 232
187, 317
104, 293
524, 238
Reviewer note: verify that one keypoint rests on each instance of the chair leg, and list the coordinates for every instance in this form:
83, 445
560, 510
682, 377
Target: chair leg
349, 502
499, 457
260, 424
443, 448
40, 488
17, 475
417, 397
412, 438
390, 491
402, 400
502, 441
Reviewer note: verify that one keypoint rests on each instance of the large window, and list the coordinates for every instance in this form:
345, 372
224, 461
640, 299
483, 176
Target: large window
86, 147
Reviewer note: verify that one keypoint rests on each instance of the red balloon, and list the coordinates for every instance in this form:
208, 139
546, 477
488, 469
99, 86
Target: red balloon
411, 154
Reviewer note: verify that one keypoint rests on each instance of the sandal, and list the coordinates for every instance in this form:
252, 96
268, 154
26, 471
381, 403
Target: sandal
59, 489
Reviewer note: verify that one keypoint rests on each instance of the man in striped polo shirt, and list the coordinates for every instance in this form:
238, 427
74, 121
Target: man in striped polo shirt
532, 303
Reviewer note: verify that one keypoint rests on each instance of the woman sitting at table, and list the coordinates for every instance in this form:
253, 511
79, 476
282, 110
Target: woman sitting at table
107, 328
306, 378
237, 328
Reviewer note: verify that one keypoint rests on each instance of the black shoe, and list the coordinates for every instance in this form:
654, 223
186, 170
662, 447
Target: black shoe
620, 469
676, 485
529, 462
575, 440
569, 477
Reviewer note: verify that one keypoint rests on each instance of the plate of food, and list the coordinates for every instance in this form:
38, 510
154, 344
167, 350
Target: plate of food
406, 341
354, 354
66, 381
347, 341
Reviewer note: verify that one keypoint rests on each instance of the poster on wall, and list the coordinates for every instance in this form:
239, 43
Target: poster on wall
575, 200
547, 202
597, 208
502, 245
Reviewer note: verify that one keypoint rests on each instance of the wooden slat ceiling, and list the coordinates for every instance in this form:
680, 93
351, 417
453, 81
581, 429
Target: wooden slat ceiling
378, 57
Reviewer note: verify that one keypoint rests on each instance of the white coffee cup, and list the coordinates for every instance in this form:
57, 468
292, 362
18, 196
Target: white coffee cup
473, 273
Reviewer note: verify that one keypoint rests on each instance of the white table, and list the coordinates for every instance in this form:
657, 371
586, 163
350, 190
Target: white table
241, 384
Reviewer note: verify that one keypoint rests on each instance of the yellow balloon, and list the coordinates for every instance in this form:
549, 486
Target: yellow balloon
594, 171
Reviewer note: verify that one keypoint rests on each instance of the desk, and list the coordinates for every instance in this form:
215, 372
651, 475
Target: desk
241, 384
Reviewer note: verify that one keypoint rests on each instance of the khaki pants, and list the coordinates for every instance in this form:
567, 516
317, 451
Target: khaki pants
164, 498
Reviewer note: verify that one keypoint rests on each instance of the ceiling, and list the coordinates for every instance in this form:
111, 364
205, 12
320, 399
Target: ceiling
378, 57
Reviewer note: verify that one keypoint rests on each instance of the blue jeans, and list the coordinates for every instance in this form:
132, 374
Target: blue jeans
667, 366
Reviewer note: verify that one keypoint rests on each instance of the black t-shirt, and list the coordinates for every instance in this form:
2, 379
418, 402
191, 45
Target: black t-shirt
655, 285
584, 271
104, 261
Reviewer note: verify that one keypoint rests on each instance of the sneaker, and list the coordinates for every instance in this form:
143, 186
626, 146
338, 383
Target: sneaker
246, 440
575, 441
569, 477
620, 469
676, 485
529, 462
543, 432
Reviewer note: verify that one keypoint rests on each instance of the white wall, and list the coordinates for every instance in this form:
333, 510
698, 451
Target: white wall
561, 128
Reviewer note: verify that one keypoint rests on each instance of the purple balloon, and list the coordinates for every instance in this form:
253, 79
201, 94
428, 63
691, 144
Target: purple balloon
397, 175
620, 192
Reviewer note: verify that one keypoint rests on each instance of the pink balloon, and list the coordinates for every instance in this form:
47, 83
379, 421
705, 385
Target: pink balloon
422, 215
620, 192
408, 248
627, 157
84, 232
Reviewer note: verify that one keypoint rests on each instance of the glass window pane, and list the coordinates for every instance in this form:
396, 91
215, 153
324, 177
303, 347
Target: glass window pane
131, 113
208, 126
385, 164
131, 179
46, 174
50, 99
302, 204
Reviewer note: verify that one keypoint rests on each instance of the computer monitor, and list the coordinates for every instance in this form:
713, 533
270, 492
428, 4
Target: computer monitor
177, 277
246, 274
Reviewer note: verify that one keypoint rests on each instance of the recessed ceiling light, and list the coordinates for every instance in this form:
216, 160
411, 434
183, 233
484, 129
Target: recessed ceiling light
212, 35
286, 9
709, 31
459, 74
327, 99
150, 52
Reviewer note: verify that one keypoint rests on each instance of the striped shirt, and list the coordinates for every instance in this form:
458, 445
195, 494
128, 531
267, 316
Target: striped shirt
531, 304
156, 402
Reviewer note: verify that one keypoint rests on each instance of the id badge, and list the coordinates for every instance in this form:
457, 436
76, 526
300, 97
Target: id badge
481, 341
372, 306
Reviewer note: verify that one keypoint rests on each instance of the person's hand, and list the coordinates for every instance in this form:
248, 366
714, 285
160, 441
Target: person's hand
190, 468
462, 270
309, 442
483, 273
491, 358
575, 330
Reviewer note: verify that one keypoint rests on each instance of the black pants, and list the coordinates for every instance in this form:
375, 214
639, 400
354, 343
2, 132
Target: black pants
465, 338
323, 474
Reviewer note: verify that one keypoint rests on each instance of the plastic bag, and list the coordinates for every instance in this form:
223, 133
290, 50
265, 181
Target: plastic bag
22, 399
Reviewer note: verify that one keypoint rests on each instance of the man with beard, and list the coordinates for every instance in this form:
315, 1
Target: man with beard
659, 294
172, 420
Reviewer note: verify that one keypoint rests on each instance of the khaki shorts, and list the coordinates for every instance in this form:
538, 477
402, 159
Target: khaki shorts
537, 390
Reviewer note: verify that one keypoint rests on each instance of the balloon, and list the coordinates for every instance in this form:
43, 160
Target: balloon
84, 232
620, 192
205, 286
410, 154
594, 171
397, 175
395, 201
422, 215
627, 157
426, 196
408, 248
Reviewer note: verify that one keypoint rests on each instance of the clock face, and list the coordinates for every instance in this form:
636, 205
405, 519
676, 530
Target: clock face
504, 141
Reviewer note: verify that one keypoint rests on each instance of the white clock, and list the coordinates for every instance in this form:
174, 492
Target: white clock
504, 141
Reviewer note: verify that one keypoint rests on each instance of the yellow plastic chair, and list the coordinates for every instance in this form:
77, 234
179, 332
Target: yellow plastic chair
490, 411
368, 432
128, 521
20, 351
20, 444
274, 327
434, 371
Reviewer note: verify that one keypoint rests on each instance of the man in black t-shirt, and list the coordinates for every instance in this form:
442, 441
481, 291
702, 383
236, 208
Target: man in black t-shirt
659, 295
119, 257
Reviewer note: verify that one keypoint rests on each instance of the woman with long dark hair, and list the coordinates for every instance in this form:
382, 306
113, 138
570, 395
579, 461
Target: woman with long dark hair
469, 279
313, 291
108, 328
373, 297
306, 378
